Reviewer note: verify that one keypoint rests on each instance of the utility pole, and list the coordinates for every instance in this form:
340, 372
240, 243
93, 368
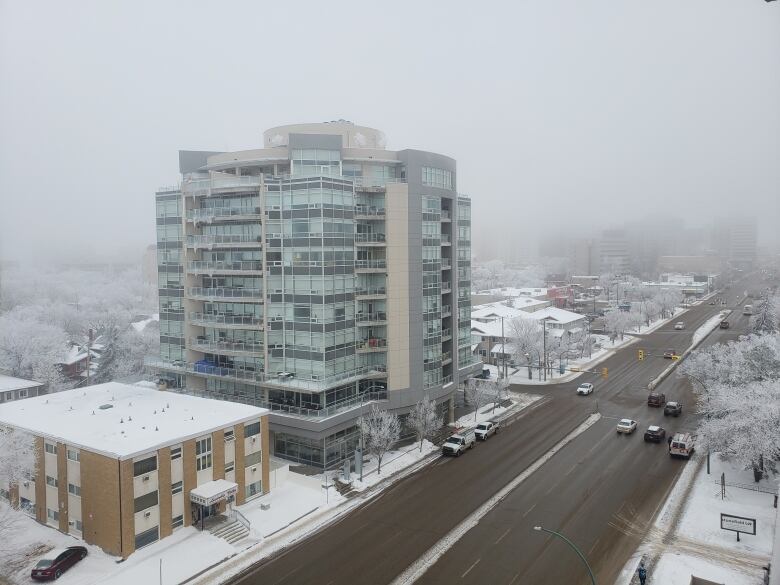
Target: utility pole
503, 348
544, 345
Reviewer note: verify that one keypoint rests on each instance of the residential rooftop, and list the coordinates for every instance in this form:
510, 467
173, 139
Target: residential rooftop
121, 420
10, 383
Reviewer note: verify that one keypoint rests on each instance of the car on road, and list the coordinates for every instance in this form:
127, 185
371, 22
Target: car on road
585, 388
682, 445
459, 442
656, 399
673, 409
713, 302
654, 434
679, 325
626, 426
485, 429
724, 325
56, 562
669, 354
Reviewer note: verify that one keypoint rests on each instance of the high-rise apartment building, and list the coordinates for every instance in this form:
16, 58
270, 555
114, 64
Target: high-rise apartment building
313, 276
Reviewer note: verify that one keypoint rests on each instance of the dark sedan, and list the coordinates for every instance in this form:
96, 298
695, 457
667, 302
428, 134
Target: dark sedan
654, 434
57, 561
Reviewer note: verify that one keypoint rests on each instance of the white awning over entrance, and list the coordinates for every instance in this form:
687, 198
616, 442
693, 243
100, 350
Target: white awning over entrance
214, 491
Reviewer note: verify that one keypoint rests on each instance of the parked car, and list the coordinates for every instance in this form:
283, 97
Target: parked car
679, 325
656, 399
585, 388
485, 429
459, 442
713, 302
673, 409
484, 375
669, 354
654, 434
724, 325
626, 426
682, 445
56, 562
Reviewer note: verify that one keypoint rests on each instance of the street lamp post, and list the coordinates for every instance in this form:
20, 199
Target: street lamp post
573, 546
528, 357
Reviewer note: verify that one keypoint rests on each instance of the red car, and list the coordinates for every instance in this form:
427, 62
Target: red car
57, 561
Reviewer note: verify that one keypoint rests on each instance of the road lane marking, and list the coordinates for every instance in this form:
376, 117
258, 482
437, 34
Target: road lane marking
514, 579
529, 510
595, 544
433, 554
500, 538
469, 569
573, 467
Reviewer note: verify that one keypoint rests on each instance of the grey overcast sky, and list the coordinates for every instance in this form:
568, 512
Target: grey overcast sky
562, 114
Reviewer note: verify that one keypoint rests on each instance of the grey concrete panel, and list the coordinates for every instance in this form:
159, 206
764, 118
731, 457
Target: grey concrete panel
324, 141
192, 160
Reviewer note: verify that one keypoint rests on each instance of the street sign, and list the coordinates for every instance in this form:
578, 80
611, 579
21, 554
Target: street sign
738, 524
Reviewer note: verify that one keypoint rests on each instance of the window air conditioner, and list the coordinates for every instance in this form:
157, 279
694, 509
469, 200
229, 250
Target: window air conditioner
254, 469
147, 514
146, 478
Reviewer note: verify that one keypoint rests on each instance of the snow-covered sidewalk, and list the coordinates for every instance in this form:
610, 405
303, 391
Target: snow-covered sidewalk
687, 539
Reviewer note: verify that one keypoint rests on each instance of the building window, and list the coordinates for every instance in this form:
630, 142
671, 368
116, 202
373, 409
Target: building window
203, 454
230, 467
229, 436
253, 489
74, 489
52, 515
252, 430
79, 526
22, 393
52, 481
145, 466
252, 459
434, 177
176, 488
175, 453
146, 501
74, 455
177, 521
51, 448
147, 537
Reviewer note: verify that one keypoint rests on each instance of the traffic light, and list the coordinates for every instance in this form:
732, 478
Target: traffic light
604, 373
675, 357
640, 354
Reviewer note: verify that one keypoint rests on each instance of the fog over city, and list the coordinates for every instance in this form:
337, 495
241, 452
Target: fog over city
565, 117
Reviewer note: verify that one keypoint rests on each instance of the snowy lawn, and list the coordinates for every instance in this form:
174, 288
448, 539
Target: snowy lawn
487, 412
676, 569
393, 462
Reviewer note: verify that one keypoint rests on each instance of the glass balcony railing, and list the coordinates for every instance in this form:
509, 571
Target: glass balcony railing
369, 212
446, 287
446, 311
215, 266
222, 182
369, 318
446, 334
370, 264
227, 347
369, 238
372, 344
207, 214
224, 240
374, 182
249, 294
369, 292
326, 411
217, 320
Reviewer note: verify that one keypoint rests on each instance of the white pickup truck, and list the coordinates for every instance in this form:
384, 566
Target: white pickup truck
459, 442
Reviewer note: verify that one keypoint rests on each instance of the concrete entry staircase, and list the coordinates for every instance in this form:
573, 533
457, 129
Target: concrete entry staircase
232, 532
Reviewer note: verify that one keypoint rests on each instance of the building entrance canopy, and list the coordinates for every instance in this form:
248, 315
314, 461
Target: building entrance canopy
212, 492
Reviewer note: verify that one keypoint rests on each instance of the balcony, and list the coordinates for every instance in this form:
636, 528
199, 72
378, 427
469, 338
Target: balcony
445, 264
366, 319
446, 334
445, 216
226, 347
212, 214
205, 369
231, 241
241, 295
446, 311
446, 380
369, 212
445, 240
219, 321
246, 267
372, 344
446, 358
366, 294
204, 187
446, 287
374, 185
370, 266
327, 411
369, 240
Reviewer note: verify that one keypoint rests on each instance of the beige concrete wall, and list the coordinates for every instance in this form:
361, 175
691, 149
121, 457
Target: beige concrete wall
100, 501
40, 482
218, 453
397, 229
190, 480
240, 480
266, 442
164, 493
62, 486
127, 507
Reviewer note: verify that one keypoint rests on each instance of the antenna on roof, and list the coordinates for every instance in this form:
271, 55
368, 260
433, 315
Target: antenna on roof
93, 412
156, 429
155, 412
163, 410
129, 418
192, 418
121, 421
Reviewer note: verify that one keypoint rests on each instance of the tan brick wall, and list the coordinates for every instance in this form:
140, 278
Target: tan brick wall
62, 486
218, 453
189, 476
164, 487
99, 501
240, 477
40, 482
265, 445
13, 491
127, 505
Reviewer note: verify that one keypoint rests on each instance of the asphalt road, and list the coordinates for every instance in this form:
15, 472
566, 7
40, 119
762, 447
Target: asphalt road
601, 490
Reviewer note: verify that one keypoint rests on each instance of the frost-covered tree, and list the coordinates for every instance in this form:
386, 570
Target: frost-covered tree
424, 419
765, 318
668, 300
754, 358
617, 322
31, 350
18, 456
381, 430
525, 338
482, 392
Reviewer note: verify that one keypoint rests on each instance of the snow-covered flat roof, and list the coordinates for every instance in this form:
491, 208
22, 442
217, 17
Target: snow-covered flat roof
11, 383
122, 421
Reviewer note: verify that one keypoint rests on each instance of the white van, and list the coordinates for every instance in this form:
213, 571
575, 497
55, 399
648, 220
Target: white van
681, 445
747, 310
459, 442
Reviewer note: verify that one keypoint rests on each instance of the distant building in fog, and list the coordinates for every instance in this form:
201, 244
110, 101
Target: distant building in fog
614, 252
735, 240
149, 265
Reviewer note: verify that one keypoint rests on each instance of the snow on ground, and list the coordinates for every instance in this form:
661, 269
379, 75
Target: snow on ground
676, 569
709, 326
487, 412
393, 462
